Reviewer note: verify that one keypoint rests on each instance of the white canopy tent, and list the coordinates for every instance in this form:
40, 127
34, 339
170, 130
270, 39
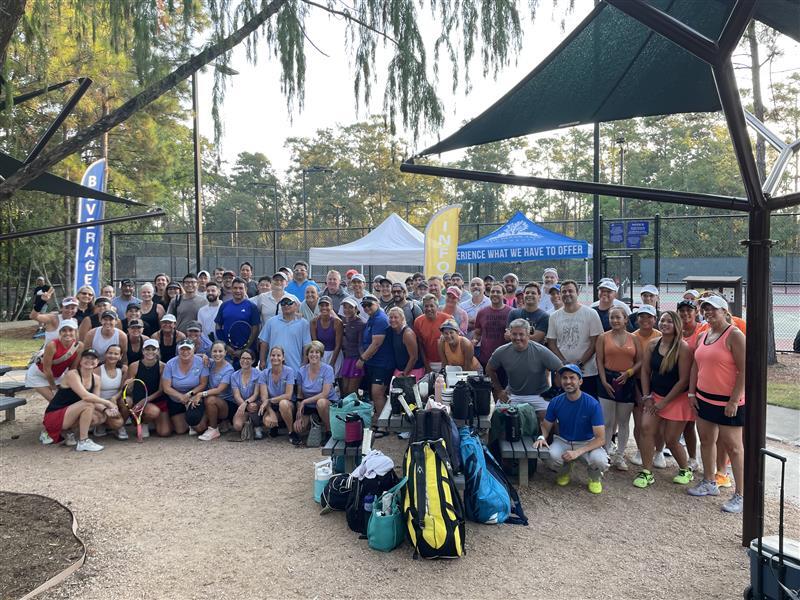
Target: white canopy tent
393, 242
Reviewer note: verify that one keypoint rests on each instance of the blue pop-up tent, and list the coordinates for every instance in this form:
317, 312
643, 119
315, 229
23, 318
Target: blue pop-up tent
522, 240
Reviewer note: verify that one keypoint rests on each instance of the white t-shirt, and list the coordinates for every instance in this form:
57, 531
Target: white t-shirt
267, 305
206, 316
573, 332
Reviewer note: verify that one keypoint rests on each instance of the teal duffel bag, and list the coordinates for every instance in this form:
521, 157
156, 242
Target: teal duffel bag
350, 404
387, 530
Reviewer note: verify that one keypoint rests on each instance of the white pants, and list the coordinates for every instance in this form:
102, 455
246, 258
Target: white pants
596, 461
617, 416
538, 403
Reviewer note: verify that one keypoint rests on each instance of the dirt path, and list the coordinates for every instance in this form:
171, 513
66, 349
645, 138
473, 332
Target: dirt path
177, 518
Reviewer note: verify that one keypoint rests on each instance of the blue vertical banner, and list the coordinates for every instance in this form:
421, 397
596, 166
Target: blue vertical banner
89, 242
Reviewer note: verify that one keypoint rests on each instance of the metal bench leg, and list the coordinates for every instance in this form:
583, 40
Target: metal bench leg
523, 472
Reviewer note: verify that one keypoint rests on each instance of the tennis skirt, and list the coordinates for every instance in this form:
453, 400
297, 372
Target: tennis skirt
350, 370
677, 410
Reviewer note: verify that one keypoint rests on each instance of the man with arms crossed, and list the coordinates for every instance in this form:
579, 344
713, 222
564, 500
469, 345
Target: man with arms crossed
581, 431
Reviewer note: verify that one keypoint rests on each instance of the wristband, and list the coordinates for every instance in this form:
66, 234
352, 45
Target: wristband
691, 395
191, 393
629, 372
541, 437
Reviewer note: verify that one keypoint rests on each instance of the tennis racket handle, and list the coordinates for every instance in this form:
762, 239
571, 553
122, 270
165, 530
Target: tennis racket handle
139, 437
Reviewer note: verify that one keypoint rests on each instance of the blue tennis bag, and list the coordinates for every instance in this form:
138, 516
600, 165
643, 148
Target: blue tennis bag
489, 496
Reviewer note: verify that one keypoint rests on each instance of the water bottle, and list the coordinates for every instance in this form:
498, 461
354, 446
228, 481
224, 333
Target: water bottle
368, 500
439, 387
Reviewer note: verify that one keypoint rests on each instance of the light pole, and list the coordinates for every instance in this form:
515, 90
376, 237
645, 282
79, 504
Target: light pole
621, 144
312, 169
198, 197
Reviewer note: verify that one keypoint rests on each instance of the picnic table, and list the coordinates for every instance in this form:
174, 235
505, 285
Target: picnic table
401, 422
10, 388
522, 452
4, 369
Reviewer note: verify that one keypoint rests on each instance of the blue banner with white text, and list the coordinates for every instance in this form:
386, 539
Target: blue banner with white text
89, 243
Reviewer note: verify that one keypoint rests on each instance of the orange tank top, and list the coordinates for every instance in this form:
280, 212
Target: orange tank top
618, 358
716, 369
456, 357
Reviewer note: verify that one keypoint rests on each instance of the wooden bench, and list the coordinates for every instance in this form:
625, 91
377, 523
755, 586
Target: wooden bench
521, 452
5, 369
8, 404
339, 448
11, 388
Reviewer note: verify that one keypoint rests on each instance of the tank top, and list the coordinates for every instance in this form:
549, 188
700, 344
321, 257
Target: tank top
134, 355
351, 342
58, 369
618, 358
81, 314
400, 351
456, 357
50, 336
66, 397
151, 376
327, 336
716, 369
109, 385
662, 383
168, 352
691, 340
150, 320
101, 344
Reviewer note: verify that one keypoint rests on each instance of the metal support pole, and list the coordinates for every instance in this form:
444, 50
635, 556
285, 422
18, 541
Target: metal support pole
113, 255
198, 191
275, 233
621, 143
597, 219
758, 298
657, 250
305, 214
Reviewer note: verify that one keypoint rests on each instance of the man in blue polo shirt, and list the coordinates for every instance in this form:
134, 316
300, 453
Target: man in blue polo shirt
286, 330
377, 354
238, 308
300, 281
581, 430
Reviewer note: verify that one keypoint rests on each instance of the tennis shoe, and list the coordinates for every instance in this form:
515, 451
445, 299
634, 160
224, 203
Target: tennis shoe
44, 438
122, 434
618, 462
563, 478
693, 464
734, 505
723, 480
595, 486
683, 477
259, 433
192, 432
69, 439
644, 479
704, 488
636, 459
295, 439
209, 434
659, 461
88, 445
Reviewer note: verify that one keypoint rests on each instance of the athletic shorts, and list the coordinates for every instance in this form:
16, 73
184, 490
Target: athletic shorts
161, 404
175, 408
54, 422
535, 400
379, 375
415, 373
714, 413
232, 408
350, 370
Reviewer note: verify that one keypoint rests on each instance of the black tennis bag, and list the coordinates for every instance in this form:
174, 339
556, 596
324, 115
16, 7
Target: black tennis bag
433, 424
336, 492
357, 517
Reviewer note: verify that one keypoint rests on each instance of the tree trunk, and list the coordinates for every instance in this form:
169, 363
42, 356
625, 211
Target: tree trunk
11, 12
761, 165
211, 52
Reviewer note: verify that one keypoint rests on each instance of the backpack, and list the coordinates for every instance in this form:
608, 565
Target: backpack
432, 507
357, 517
463, 404
433, 424
336, 493
488, 494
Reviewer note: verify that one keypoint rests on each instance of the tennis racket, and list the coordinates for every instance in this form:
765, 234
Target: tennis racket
239, 334
138, 398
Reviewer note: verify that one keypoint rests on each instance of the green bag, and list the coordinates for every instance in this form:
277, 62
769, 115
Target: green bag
350, 404
387, 532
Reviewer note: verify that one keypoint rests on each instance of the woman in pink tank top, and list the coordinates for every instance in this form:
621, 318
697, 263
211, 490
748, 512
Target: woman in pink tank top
716, 390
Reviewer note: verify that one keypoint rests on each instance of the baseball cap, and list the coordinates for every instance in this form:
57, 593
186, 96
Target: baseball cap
126, 282
377, 278
351, 272
386, 279
90, 352
71, 323
449, 324
169, 318
507, 275
556, 287
368, 299
206, 273
715, 301
101, 300
135, 323
693, 293
422, 284
520, 291
69, 301
174, 285
228, 273
649, 289
571, 367
550, 270
194, 326
488, 278
280, 274
185, 344
134, 305
646, 309
351, 301
288, 299
684, 303
454, 291
325, 299
150, 344
108, 313
358, 277
608, 285
399, 284
457, 274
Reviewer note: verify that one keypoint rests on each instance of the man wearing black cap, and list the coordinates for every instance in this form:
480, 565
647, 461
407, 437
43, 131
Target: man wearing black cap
126, 290
413, 291
226, 291
185, 306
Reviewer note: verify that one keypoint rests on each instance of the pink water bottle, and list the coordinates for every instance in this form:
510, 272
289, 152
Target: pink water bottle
439, 387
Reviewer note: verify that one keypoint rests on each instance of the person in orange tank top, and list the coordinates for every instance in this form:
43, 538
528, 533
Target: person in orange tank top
716, 390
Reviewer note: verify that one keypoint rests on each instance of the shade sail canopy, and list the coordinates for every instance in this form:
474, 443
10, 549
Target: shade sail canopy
393, 242
53, 184
612, 67
522, 240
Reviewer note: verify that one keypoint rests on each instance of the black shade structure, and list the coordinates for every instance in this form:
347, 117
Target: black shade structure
632, 58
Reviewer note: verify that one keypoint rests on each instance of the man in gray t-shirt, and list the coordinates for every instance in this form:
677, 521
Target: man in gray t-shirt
527, 364
186, 306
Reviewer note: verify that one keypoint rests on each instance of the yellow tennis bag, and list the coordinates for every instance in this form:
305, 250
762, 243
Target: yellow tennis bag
432, 507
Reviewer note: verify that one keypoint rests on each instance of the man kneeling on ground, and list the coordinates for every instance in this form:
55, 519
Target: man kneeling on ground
581, 433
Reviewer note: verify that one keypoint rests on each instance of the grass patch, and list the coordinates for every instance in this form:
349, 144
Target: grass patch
784, 394
17, 352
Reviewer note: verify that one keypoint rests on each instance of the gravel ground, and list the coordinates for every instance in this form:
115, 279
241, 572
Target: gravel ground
177, 518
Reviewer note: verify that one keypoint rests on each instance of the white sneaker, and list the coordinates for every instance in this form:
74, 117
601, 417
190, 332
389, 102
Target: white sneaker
145, 430
69, 439
693, 465
192, 431
259, 433
88, 445
636, 459
122, 434
44, 438
618, 462
100, 431
659, 462
209, 434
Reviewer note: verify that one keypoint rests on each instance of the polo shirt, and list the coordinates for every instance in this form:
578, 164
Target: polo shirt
292, 336
298, 290
378, 324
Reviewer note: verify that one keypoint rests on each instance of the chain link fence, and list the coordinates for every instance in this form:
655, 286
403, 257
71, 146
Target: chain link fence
636, 251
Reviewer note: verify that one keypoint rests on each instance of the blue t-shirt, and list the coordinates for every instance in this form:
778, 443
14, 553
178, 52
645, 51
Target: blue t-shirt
378, 324
292, 336
230, 312
121, 306
216, 378
246, 390
312, 387
575, 418
298, 290
278, 389
183, 382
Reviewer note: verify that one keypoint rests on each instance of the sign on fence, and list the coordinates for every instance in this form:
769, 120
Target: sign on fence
635, 232
616, 233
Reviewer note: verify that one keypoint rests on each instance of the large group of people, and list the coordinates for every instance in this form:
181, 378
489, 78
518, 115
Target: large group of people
221, 349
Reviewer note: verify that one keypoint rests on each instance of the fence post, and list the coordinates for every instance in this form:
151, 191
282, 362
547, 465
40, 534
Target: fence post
477, 237
113, 256
189, 253
657, 248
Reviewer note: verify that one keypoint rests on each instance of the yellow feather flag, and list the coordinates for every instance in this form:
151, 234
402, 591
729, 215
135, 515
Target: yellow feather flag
441, 241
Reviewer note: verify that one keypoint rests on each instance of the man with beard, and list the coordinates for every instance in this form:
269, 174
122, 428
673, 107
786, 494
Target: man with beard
208, 313
549, 279
475, 303
510, 285
532, 313
490, 326
186, 305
